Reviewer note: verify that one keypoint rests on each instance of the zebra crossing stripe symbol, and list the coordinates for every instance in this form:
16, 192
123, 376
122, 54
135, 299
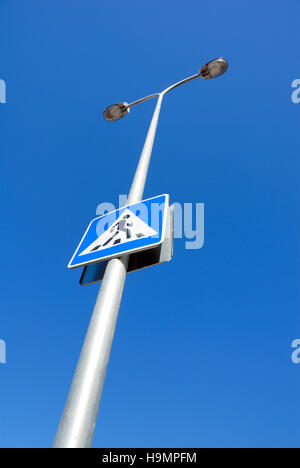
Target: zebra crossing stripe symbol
126, 228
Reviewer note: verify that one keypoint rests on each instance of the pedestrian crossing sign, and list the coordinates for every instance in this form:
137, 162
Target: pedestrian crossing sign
127, 230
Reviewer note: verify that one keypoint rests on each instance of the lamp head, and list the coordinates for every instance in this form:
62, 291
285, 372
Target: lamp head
213, 68
116, 111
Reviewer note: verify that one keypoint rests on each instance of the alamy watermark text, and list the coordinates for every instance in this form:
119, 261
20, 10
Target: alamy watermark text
2, 352
2, 92
296, 353
296, 94
188, 219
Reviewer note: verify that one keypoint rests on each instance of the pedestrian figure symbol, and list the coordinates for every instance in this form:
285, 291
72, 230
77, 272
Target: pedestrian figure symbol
128, 227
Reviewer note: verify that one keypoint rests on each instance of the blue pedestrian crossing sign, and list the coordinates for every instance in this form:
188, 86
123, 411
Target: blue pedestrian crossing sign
127, 230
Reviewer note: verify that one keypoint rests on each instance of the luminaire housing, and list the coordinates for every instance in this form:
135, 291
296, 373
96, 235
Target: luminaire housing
214, 68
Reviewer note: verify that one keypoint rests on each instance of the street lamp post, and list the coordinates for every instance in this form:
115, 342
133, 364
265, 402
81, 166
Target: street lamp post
78, 421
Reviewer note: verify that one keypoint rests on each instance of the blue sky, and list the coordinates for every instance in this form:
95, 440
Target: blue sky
202, 351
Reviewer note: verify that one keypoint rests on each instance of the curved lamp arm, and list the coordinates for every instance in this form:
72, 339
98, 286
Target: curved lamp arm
115, 112
165, 91
175, 85
210, 70
135, 103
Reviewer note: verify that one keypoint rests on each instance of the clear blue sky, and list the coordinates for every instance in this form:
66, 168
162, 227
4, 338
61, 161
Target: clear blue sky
202, 351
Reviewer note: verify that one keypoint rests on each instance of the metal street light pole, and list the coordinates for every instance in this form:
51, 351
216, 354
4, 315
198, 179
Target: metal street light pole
78, 421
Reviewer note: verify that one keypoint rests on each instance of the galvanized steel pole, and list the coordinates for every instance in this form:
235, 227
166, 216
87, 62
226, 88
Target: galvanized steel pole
78, 421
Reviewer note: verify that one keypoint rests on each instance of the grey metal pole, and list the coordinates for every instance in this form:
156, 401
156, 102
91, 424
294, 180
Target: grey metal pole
78, 421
